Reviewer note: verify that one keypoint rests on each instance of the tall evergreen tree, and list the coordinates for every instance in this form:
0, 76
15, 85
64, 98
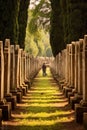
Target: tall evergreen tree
56, 32
22, 20
9, 20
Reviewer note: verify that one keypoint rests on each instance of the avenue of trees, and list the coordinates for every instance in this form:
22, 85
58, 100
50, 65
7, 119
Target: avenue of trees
65, 20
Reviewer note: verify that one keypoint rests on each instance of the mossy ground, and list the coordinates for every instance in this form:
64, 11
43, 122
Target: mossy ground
43, 108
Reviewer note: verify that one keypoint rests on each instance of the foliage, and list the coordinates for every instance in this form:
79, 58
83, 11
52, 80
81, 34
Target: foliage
68, 22
74, 19
9, 20
22, 20
40, 39
56, 32
49, 52
40, 16
36, 35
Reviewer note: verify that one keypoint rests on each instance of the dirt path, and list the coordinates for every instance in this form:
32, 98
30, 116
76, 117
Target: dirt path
43, 108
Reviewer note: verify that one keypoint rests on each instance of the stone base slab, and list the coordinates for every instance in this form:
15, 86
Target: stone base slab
74, 100
18, 96
24, 91
85, 120
6, 111
79, 110
13, 101
0, 117
66, 91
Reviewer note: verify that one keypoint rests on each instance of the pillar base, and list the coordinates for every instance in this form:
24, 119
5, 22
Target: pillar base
85, 120
75, 100
6, 110
26, 86
0, 117
23, 90
79, 110
13, 101
71, 94
18, 95
28, 83
66, 90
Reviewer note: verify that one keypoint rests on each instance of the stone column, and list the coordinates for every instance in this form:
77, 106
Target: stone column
69, 64
1, 72
82, 107
76, 65
12, 69
67, 58
7, 66
17, 65
56, 63
80, 69
72, 64
20, 67
85, 69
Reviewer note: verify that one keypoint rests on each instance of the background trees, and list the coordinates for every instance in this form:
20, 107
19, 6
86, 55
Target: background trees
66, 20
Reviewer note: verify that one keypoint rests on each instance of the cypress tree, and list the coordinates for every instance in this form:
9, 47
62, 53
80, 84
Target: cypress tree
77, 19
22, 20
9, 20
56, 32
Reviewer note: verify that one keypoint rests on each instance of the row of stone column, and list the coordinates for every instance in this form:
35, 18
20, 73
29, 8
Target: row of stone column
71, 67
17, 69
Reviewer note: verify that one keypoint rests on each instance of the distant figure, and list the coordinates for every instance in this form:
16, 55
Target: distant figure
44, 69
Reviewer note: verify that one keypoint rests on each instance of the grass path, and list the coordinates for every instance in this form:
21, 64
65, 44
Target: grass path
43, 108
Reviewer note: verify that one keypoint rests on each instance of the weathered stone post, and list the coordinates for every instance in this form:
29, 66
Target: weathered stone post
72, 69
76, 97
12, 77
17, 56
25, 82
72, 64
21, 71
68, 88
80, 68
8, 80
82, 107
56, 63
6, 107
1, 78
7, 67
1, 72
17, 91
12, 69
76, 65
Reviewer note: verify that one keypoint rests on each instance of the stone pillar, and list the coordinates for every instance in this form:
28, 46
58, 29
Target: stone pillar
20, 67
12, 69
80, 69
76, 65
7, 67
1, 72
85, 69
82, 107
5, 79
64, 64
18, 91
26, 66
72, 64
67, 58
17, 65
56, 63
68, 88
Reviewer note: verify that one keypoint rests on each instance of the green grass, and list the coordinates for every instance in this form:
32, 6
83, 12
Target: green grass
44, 107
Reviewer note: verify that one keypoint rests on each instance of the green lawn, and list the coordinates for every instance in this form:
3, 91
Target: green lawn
44, 108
